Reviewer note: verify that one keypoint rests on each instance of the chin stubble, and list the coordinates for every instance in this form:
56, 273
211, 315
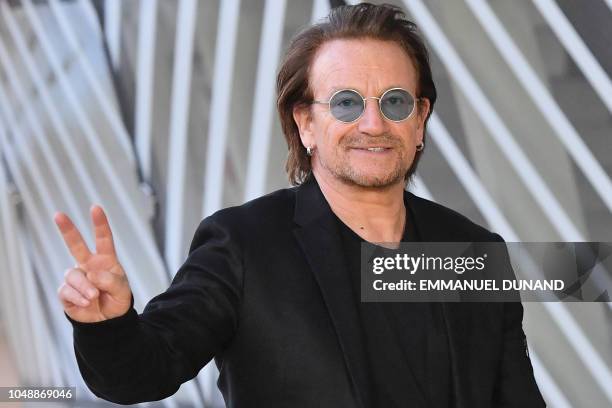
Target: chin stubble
350, 175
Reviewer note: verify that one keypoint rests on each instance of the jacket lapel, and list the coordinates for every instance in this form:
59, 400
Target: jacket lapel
457, 318
319, 239
456, 321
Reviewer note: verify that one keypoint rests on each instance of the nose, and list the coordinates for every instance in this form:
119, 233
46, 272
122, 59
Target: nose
372, 122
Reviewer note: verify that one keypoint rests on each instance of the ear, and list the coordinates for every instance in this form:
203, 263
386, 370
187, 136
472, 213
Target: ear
303, 119
422, 112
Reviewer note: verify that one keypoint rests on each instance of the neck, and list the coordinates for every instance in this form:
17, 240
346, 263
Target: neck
377, 214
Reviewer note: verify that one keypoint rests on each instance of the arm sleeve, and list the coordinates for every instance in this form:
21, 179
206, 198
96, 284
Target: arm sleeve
135, 358
516, 386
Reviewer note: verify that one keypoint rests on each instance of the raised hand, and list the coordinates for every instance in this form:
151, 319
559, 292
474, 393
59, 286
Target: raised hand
96, 288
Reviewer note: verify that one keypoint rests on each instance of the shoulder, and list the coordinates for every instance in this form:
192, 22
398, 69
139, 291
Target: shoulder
276, 205
447, 224
260, 216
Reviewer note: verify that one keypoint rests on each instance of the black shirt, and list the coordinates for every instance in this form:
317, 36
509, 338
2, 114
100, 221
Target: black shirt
400, 338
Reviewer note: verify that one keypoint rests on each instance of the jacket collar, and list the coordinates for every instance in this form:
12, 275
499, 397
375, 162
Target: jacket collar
310, 205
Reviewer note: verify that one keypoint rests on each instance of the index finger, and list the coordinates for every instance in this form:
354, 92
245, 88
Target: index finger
72, 237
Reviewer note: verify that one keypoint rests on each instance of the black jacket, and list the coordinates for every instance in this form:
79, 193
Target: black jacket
264, 292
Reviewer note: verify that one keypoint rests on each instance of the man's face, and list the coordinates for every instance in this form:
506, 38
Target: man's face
370, 67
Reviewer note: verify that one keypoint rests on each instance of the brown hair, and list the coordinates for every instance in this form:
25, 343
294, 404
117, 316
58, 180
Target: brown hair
380, 22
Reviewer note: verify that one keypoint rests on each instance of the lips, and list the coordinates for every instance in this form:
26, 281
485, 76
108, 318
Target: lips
373, 148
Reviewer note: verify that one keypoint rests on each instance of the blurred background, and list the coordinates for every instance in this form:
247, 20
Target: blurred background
163, 111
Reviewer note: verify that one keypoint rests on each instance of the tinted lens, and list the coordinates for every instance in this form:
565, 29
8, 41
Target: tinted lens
396, 104
346, 106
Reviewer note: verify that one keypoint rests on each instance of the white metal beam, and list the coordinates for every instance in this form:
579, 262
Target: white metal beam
580, 53
92, 17
595, 364
220, 105
112, 30
147, 31
553, 395
179, 135
263, 109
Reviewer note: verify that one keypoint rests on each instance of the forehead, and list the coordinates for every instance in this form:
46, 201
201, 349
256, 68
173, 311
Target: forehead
367, 65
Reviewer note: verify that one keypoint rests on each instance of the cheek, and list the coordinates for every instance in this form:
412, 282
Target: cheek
319, 128
413, 133
330, 135
405, 134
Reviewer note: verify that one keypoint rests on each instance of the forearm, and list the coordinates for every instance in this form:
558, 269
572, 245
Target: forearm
125, 361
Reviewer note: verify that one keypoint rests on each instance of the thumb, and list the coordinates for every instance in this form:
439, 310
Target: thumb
110, 282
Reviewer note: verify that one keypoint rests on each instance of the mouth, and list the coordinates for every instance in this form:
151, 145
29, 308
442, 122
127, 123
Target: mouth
374, 149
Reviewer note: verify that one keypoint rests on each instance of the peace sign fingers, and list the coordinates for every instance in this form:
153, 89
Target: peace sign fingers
99, 272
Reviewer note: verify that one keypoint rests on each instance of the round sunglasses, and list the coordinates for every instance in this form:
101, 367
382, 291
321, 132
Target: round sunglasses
347, 105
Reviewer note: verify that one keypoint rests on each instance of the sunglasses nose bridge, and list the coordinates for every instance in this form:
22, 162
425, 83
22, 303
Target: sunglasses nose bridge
365, 103
379, 113
378, 99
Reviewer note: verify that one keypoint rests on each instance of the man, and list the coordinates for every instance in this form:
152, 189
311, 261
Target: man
270, 289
